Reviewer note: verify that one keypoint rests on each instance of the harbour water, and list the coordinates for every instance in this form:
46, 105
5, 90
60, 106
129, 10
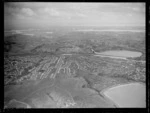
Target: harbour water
119, 53
128, 95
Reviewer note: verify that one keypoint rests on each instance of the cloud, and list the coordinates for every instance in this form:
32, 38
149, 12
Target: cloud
56, 13
9, 11
51, 11
38, 14
28, 11
81, 15
129, 14
136, 9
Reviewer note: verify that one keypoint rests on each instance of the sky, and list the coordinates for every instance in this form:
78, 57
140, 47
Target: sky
36, 15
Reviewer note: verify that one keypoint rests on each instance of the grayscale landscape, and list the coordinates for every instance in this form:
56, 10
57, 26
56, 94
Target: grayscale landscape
67, 55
